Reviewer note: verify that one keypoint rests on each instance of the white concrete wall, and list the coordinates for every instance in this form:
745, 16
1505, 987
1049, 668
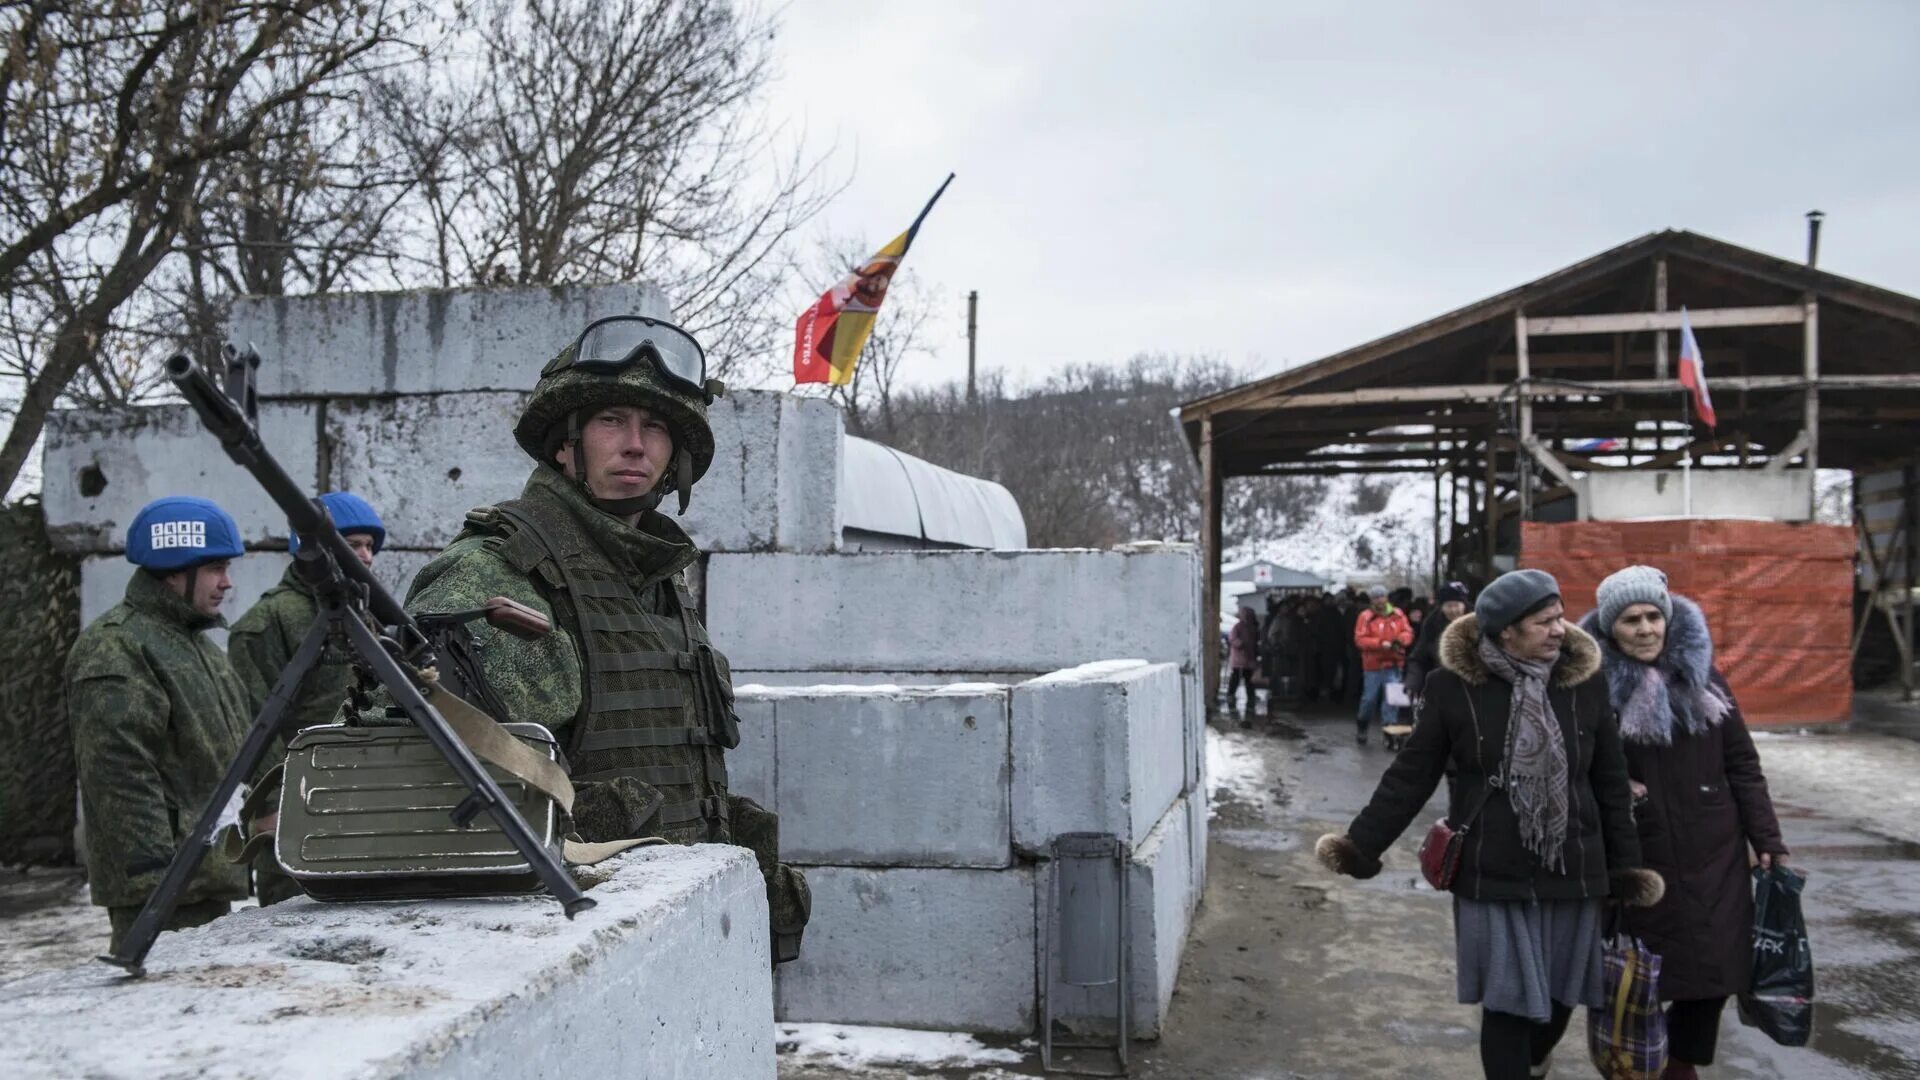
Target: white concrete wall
914, 947
424, 342
666, 978
882, 776
1097, 748
1754, 493
145, 453
953, 611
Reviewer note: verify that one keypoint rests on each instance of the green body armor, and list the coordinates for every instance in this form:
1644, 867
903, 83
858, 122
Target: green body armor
658, 706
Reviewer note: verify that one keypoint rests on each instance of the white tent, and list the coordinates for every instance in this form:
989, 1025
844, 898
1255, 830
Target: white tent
893, 500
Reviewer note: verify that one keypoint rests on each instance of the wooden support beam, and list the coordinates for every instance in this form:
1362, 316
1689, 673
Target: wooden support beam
1660, 366
1811, 424
1211, 489
1491, 392
1636, 321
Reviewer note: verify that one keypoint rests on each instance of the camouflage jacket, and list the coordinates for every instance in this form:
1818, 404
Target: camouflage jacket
263, 642
157, 714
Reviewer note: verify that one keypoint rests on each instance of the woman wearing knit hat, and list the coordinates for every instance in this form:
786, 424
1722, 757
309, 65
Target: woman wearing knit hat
1540, 796
1700, 800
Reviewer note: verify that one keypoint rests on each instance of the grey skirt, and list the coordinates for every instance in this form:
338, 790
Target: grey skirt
1521, 956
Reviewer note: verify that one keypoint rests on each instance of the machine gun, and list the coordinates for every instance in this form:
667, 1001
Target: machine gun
357, 610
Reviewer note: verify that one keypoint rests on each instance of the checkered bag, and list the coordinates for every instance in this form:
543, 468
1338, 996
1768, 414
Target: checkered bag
1627, 1037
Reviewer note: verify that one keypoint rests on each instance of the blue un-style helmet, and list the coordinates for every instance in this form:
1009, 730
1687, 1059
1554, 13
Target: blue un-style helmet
180, 532
351, 514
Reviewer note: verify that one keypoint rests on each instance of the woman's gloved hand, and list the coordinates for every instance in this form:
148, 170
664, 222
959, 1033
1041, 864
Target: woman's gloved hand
1638, 887
1338, 853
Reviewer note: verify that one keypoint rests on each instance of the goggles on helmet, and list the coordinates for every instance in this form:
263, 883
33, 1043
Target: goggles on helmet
612, 345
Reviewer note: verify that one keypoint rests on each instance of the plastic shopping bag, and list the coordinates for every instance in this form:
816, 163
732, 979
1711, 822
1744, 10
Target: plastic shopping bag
1779, 1000
1627, 1037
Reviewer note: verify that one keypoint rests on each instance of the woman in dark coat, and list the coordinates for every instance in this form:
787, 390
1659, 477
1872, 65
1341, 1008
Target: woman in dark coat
1516, 714
1450, 604
1700, 799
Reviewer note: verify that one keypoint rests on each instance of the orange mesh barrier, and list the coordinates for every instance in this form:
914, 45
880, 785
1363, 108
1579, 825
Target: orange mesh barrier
1778, 599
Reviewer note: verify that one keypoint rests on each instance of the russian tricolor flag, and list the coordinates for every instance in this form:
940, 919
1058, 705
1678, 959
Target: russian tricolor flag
1693, 372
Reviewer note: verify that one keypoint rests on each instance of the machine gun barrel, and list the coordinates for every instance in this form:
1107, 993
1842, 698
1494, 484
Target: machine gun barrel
242, 443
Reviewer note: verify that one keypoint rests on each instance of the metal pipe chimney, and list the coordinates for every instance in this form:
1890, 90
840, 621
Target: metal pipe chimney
1814, 217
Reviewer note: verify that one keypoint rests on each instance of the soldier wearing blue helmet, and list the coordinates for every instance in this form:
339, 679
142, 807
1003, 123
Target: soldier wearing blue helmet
156, 714
265, 638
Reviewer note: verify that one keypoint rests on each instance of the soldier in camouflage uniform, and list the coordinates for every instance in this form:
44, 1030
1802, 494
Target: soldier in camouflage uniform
629, 684
157, 714
264, 640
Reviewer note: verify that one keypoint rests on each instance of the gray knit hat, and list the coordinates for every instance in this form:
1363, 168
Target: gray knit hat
1634, 585
1511, 597
1378, 592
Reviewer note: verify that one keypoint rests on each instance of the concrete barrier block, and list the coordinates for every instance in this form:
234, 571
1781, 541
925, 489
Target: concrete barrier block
1160, 911
886, 776
127, 458
812, 446
1097, 748
349, 344
423, 461
400, 990
1199, 814
954, 610
751, 765
929, 948
103, 583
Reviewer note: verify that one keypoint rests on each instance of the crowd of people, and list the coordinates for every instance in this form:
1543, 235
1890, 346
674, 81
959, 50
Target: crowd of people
1351, 646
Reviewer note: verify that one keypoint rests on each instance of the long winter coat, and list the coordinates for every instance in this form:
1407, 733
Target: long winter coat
1424, 660
157, 715
1706, 803
1243, 643
1462, 728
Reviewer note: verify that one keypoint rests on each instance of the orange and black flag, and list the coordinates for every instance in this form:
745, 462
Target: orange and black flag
830, 334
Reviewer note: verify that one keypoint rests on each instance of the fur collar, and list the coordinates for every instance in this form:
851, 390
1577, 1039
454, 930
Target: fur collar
1579, 657
1677, 688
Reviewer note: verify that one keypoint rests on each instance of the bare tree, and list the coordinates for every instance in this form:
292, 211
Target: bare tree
614, 141
117, 122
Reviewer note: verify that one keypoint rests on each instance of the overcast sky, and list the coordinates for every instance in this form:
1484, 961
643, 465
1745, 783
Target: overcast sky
1272, 182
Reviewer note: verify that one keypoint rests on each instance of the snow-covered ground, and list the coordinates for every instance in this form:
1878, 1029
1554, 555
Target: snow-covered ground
854, 1048
1853, 776
1237, 769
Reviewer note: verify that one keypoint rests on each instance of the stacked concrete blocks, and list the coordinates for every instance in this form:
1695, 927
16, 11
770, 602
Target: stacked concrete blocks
1097, 748
667, 977
951, 611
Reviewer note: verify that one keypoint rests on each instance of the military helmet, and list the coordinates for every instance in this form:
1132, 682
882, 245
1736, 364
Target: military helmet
180, 532
625, 360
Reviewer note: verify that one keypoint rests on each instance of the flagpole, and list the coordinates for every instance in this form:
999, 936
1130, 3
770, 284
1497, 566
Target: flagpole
1686, 457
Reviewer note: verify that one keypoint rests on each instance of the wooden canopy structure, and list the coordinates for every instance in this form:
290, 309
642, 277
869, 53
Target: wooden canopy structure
1501, 401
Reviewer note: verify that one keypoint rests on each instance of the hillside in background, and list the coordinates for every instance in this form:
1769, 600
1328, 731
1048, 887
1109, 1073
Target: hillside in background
1095, 458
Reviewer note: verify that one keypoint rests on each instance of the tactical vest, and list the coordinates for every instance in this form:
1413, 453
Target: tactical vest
657, 704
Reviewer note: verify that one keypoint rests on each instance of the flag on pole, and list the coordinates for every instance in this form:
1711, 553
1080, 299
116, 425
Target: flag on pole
1693, 372
829, 335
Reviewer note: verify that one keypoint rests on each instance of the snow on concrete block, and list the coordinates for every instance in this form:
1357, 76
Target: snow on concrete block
913, 947
751, 765
954, 610
877, 678
1097, 748
666, 977
886, 776
103, 465
429, 341
1161, 899
424, 461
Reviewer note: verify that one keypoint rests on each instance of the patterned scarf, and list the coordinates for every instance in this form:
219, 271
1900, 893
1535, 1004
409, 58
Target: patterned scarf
1536, 756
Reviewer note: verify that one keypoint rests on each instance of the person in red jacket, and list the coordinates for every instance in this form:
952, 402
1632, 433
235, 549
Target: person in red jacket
1383, 636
